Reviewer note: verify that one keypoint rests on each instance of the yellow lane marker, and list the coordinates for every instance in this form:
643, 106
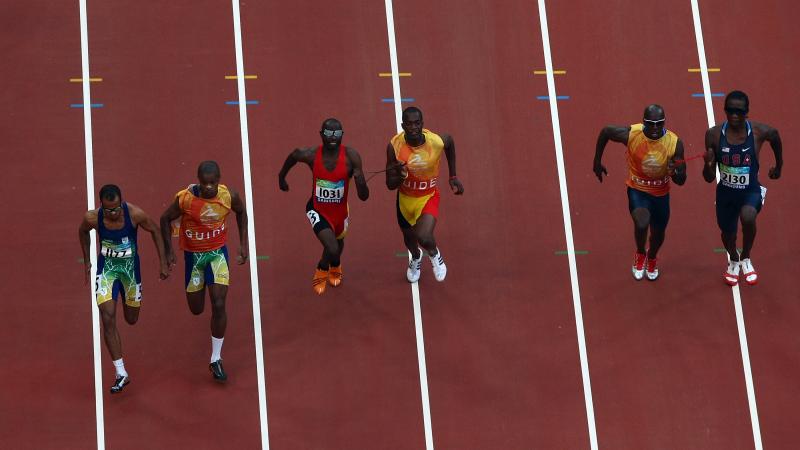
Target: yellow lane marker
710, 69
246, 77
544, 72
80, 80
389, 74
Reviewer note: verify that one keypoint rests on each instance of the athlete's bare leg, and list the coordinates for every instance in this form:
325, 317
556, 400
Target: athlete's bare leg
641, 222
196, 301
331, 249
423, 230
656, 239
131, 313
748, 218
108, 314
219, 317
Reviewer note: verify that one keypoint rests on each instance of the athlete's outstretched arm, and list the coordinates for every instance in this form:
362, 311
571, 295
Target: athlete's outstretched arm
608, 133
771, 135
395, 172
305, 155
89, 223
450, 153
237, 205
678, 170
358, 173
140, 218
173, 212
709, 158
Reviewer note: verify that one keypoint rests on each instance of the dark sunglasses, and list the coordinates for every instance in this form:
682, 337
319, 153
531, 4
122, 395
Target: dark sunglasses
654, 123
112, 210
739, 111
334, 133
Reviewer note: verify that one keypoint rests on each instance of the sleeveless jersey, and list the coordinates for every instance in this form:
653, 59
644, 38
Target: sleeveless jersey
330, 187
738, 164
647, 161
203, 219
117, 243
421, 162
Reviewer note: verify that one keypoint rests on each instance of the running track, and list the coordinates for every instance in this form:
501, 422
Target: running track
503, 366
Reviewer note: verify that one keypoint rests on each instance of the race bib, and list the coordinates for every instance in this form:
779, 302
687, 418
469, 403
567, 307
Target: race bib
734, 177
329, 191
116, 251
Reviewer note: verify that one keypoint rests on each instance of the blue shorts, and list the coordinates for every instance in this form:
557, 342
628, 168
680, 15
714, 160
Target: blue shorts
658, 207
730, 203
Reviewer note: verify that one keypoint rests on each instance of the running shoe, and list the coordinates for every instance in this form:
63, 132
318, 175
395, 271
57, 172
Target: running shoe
217, 371
439, 268
320, 281
414, 268
120, 383
749, 273
638, 265
731, 276
651, 270
335, 275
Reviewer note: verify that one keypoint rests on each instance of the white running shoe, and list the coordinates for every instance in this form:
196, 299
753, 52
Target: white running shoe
414, 268
439, 268
731, 275
749, 272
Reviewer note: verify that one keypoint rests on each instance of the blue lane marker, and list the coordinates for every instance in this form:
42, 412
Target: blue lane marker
247, 102
80, 105
547, 97
402, 100
713, 94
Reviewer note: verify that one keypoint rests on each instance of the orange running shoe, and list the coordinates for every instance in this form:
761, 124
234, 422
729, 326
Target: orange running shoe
335, 275
320, 281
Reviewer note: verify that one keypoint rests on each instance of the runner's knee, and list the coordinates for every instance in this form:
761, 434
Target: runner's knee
748, 215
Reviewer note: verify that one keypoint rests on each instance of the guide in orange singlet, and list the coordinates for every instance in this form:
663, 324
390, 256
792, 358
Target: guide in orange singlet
412, 167
654, 156
203, 208
332, 165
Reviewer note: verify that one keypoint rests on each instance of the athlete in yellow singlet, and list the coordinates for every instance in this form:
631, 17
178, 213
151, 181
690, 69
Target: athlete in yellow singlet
412, 167
655, 157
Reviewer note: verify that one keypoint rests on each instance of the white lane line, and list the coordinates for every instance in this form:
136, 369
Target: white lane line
423, 370
251, 227
573, 268
87, 137
737, 298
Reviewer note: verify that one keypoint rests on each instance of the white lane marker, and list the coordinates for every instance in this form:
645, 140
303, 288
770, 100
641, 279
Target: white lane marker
251, 227
87, 137
573, 268
423, 370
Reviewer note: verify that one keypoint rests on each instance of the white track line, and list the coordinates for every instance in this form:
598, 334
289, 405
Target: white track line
737, 298
573, 268
423, 370
251, 228
87, 136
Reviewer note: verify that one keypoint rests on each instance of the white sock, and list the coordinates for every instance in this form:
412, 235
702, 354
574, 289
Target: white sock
216, 348
120, 366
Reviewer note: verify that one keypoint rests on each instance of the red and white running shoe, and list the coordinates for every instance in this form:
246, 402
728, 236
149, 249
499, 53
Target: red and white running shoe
650, 269
638, 265
749, 273
731, 276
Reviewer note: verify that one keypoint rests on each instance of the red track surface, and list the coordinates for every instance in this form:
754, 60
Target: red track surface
503, 367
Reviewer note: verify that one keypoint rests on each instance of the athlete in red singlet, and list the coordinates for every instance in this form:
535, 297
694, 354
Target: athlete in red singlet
332, 165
